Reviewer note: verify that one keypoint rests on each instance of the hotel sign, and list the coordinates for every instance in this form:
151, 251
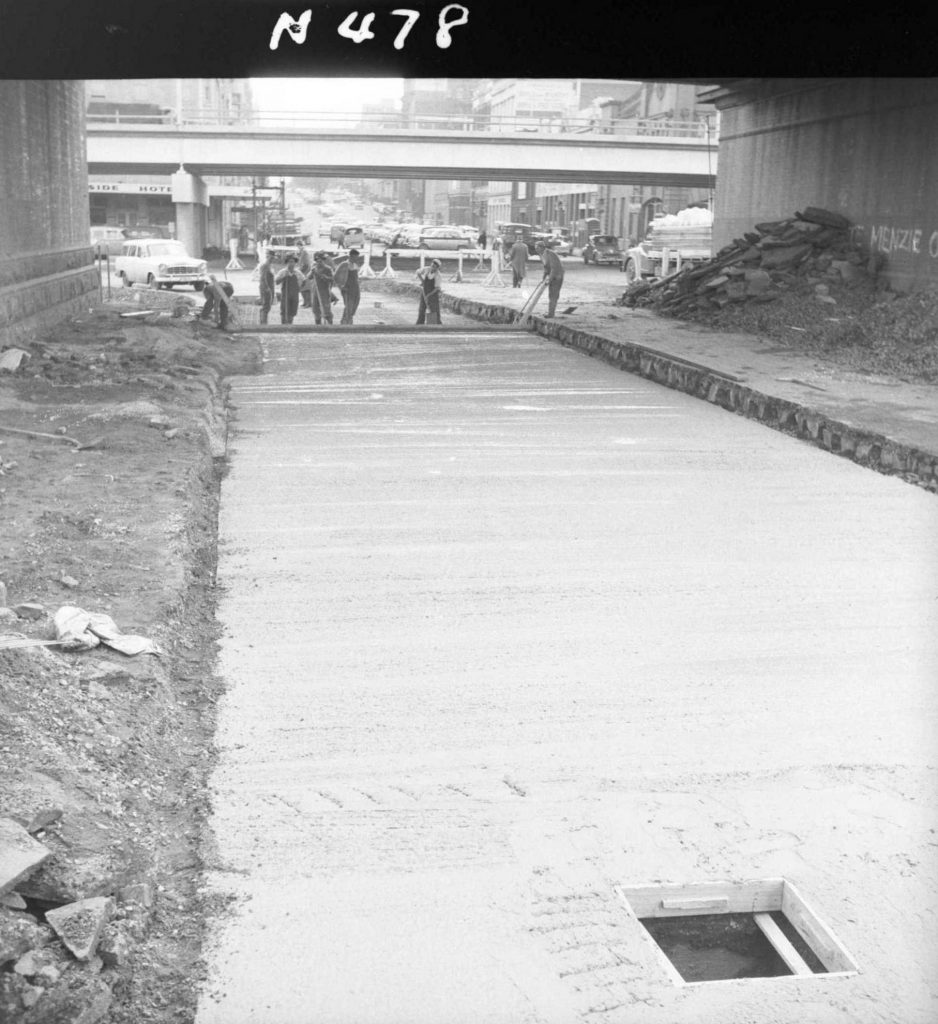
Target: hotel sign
133, 188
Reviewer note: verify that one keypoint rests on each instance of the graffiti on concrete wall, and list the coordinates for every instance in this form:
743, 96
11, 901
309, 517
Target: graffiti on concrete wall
891, 240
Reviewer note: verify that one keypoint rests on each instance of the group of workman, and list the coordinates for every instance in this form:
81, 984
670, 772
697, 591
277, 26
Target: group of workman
310, 282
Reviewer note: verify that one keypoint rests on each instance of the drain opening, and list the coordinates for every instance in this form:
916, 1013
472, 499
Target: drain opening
723, 931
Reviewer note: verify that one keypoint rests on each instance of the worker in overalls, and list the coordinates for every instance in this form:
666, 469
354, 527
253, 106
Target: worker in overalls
431, 280
321, 276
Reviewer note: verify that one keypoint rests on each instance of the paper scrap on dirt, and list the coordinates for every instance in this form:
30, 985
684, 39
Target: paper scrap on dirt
80, 630
11, 358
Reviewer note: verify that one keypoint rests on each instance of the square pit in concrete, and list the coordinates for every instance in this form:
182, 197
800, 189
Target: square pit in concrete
707, 932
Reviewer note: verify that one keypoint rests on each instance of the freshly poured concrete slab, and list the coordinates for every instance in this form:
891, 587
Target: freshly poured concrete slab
506, 628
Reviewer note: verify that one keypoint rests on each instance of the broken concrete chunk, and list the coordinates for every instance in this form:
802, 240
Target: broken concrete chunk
757, 282
826, 217
79, 925
20, 854
116, 945
29, 610
43, 819
84, 1000
13, 900
784, 257
19, 933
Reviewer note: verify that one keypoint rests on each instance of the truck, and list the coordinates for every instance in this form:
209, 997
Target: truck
672, 242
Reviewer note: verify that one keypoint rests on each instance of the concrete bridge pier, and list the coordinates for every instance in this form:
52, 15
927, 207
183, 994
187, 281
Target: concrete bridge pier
190, 195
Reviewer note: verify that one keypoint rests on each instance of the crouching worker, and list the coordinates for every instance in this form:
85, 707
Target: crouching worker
217, 299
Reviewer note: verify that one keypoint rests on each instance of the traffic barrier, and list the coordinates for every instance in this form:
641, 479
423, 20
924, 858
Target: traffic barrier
494, 280
388, 271
366, 270
234, 263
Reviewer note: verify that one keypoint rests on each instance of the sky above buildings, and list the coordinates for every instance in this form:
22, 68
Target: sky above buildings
317, 95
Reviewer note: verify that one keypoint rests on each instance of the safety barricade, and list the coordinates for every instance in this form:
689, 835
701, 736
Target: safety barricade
388, 271
494, 279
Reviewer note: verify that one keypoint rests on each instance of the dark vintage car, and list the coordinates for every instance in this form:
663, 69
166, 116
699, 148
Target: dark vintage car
602, 249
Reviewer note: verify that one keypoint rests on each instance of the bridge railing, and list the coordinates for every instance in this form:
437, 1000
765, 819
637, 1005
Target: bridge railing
364, 123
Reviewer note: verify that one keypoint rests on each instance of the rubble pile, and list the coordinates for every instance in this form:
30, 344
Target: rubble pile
811, 248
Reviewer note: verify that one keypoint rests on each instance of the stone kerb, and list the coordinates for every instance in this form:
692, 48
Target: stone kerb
862, 446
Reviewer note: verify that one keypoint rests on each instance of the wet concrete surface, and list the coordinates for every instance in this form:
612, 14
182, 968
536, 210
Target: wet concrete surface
505, 627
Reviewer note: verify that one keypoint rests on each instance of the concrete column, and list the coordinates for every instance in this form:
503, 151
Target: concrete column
190, 196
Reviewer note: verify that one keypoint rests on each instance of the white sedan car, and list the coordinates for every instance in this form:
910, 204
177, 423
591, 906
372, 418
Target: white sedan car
159, 263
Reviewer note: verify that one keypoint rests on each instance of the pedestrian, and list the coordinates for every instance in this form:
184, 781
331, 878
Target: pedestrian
431, 280
483, 238
217, 296
553, 275
518, 258
346, 277
305, 265
321, 277
266, 286
289, 280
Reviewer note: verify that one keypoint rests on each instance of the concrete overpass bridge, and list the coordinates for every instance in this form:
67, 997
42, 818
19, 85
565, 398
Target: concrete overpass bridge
653, 153
187, 150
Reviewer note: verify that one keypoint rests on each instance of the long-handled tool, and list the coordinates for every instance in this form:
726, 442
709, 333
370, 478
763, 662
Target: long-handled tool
428, 312
524, 314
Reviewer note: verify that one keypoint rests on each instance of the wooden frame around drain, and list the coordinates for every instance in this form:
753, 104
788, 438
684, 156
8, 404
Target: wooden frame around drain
759, 897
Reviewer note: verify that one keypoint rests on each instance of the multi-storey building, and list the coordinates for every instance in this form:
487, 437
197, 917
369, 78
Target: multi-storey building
509, 104
441, 103
146, 200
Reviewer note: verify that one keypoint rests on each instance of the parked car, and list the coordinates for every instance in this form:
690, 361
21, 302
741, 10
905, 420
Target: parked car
602, 249
279, 247
443, 238
146, 231
354, 238
408, 236
107, 240
159, 263
472, 233
346, 237
562, 244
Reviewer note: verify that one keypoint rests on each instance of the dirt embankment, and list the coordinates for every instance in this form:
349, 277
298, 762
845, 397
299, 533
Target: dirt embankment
111, 449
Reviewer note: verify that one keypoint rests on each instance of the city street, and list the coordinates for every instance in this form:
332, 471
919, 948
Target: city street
504, 628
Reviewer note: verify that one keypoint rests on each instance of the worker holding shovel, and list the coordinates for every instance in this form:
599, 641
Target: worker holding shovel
431, 281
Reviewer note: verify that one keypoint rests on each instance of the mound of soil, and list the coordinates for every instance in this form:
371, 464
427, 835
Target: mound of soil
111, 451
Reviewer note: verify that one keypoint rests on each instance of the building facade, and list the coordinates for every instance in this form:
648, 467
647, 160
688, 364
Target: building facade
231, 204
583, 209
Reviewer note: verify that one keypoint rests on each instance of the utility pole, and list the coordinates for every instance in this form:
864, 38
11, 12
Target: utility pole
254, 210
283, 206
